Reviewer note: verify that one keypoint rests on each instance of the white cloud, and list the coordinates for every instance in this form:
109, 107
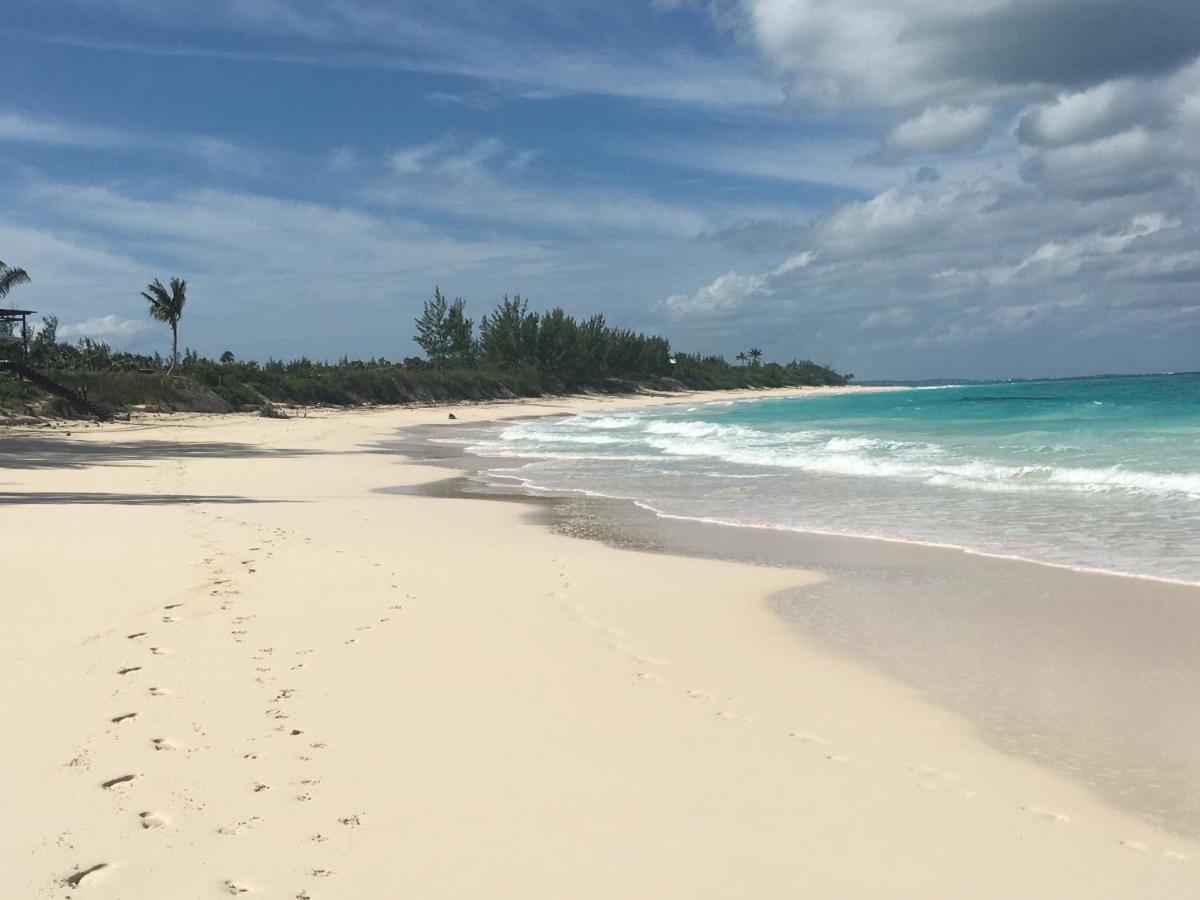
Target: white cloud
19, 127
725, 294
488, 180
939, 129
1087, 115
473, 40
889, 317
812, 161
104, 328
216, 153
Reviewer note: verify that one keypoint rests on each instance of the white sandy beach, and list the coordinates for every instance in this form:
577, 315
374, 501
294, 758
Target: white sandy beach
322, 691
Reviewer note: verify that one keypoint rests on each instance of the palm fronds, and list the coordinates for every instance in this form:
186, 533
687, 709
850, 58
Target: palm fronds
10, 278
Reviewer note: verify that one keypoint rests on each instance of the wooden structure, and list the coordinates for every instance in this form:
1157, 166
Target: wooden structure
14, 347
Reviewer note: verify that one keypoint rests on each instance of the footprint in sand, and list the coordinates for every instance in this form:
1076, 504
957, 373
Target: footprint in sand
164, 744
136, 634
74, 880
234, 887
806, 737
260, 787
153, 820
159, 692
160, 651
238, 828
128, 669
735, 717
120, 779
117, 720
1047, 814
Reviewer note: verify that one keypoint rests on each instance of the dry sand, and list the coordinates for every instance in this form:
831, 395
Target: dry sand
233, 667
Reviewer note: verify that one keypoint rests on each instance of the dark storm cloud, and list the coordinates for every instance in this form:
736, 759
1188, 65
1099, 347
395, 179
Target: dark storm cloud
1069, 44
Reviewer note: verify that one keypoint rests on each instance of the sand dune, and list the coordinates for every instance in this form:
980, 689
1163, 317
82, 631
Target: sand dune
233, 667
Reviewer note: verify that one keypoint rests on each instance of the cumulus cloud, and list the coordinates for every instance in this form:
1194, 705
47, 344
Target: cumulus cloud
725, 294
1087, 115
939, 129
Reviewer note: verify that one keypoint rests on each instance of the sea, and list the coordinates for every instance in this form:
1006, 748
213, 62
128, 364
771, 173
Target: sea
1098, 473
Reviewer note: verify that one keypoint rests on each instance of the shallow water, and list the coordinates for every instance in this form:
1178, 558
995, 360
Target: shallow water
1098, 473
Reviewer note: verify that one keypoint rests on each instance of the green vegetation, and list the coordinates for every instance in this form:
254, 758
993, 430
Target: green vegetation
168, 307
10, 277
517, 353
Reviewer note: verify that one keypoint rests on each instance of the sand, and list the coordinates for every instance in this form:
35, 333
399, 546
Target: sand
233, 666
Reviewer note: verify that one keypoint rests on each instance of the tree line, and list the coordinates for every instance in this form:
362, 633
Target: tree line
514, 351
553, 343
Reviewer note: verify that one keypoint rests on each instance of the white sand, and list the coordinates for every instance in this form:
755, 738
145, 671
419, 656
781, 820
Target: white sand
483, 708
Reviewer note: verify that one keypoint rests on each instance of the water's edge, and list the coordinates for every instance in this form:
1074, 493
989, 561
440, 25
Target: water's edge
1089, 673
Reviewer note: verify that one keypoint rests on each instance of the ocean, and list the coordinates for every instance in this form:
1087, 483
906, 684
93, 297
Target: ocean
1089, 473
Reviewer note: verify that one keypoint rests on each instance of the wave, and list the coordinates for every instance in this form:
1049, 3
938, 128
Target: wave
823, 453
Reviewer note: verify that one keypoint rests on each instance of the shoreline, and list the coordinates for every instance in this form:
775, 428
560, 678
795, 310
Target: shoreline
841, 558
369, 694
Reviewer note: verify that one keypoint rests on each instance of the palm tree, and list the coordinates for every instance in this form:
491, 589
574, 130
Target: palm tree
168, 307
741, 357
10, 278
755, 355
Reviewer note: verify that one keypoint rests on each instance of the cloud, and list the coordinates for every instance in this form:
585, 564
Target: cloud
214, 152
20, 127
939, 129
830, 161
886, 54
466, 39
342, 160
104, 328
488, 180
1097, 112
937, 268
725, 294
1063, 258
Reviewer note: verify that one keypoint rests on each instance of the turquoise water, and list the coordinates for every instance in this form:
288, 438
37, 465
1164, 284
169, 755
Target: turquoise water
1098, 473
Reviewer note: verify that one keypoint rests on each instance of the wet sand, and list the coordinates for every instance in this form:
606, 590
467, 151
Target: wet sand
1093, 674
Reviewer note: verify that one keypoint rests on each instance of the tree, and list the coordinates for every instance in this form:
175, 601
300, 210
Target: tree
10, 277
168, 307
227, 358
742, 357
460, 335
432, 328
558, 336
508, 337
755, 355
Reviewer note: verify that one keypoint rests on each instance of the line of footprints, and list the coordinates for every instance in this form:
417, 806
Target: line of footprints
222, 589
648, 669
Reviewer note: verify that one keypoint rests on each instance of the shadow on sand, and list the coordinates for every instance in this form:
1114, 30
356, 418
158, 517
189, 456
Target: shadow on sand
50, 452
32, 498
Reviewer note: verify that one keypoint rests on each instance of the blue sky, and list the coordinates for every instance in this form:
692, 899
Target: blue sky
914, 188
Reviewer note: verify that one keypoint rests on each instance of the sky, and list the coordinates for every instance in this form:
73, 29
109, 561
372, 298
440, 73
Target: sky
900, 188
